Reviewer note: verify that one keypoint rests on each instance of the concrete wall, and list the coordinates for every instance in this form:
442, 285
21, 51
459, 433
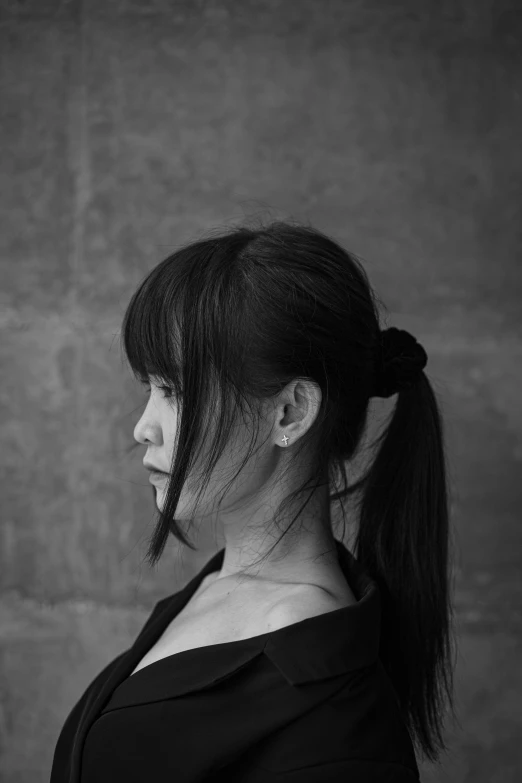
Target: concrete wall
128, 127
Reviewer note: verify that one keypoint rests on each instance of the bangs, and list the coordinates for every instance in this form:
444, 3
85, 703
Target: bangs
151, 329
182, 328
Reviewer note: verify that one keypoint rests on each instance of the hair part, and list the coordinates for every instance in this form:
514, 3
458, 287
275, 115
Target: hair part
227, 322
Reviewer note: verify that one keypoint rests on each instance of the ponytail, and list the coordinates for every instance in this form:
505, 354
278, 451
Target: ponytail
403, 542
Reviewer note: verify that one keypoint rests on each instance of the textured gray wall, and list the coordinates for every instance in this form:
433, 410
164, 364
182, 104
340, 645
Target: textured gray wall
128, 127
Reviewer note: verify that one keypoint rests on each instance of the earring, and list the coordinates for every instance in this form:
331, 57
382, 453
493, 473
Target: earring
284, 438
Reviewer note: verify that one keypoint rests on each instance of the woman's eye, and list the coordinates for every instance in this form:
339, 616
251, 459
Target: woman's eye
166, 390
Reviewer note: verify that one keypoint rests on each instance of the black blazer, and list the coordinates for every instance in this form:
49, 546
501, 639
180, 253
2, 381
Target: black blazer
306, 703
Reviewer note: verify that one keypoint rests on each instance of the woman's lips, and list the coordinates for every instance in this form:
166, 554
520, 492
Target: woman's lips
157, 476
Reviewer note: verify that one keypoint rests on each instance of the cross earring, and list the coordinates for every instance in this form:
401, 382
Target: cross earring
284, 438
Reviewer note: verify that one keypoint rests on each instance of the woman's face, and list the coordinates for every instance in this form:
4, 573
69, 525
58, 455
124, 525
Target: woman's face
157, 429
246, 514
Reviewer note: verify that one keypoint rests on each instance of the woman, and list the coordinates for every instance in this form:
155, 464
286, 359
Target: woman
285, 658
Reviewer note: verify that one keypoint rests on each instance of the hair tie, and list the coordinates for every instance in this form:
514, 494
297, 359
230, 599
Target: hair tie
400, 362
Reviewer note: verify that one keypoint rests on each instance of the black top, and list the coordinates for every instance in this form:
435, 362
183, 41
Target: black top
306, 703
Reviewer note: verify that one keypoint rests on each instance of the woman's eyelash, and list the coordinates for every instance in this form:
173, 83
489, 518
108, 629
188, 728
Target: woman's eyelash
167, 391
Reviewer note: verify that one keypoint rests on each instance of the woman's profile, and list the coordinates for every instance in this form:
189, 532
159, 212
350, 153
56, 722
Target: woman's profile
288, 657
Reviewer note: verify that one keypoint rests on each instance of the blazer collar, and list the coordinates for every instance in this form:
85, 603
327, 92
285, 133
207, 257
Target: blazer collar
312, 652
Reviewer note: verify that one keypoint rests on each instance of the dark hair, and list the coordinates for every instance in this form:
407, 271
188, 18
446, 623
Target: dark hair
226, 322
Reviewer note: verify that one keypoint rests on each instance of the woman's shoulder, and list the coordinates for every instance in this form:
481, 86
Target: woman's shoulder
306, 601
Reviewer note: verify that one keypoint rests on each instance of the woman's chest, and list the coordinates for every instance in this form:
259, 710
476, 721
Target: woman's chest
196, 626
217, 616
